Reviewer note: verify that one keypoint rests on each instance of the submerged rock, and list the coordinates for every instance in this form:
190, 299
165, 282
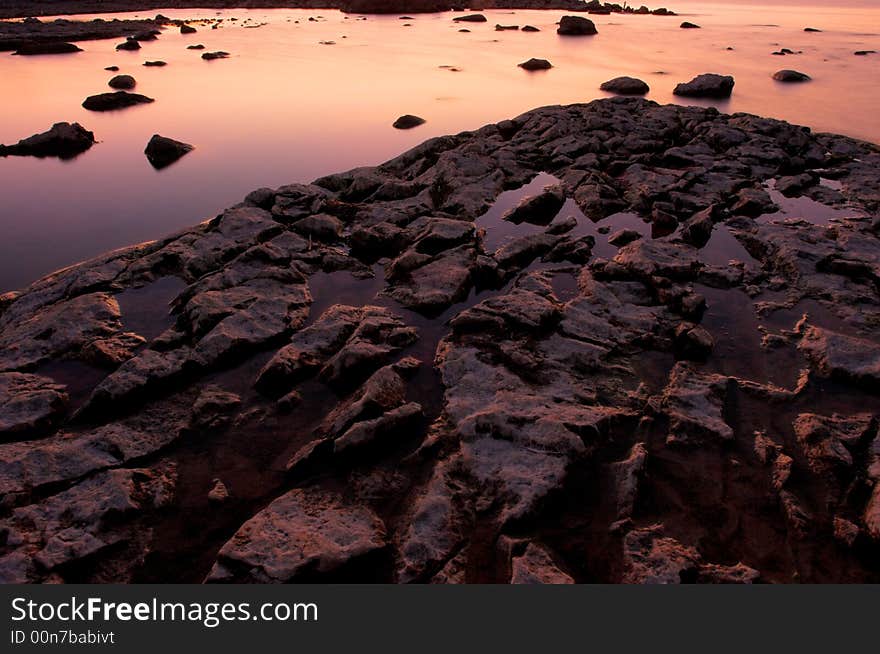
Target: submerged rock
163, 151
63, 140
218, 54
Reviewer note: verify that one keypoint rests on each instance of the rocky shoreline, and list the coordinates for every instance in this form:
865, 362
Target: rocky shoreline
585, 344
18, 9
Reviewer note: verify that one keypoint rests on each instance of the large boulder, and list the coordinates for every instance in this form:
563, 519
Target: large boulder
63, 140
576, 26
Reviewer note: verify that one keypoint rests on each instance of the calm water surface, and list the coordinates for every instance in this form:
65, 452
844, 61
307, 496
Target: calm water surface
286, 108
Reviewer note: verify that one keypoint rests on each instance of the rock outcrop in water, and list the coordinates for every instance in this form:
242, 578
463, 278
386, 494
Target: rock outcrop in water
162, 151
477, 399
63, 140
114, 101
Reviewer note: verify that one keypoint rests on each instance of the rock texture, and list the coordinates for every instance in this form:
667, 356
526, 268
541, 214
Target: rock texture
162, 151
443, 370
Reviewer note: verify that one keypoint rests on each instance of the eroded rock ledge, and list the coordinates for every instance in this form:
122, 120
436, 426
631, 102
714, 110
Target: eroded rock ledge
418, 373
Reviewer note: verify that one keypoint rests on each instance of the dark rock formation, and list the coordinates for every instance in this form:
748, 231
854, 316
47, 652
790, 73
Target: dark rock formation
155, 64
375, 377
536, 64
576, 26
113, 101
689, 26
408, 121
708, 85
63, 140
123, 82
790, 76
470, 18
47, 48
163, 151
218, 54
129, 44
625, 86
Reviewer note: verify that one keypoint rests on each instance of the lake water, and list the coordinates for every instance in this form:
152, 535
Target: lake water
286, 108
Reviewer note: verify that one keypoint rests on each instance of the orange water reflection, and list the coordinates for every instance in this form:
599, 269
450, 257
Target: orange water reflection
285, 108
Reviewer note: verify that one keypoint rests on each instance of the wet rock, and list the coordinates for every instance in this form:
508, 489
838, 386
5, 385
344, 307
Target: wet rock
536, 64
538, 209
576, 26
693, 342
689, 26
530, 28
217, 54
470, 18
408, 121
218, 493
63, 140
837, 355
625, 86
155, 64
790, 76
29, 403
322, 227
694, 403
213, 408
188, 29
624, 237
123, 82
561, 225
305, 533
114, 101
708, 85
162, 151
195, 46
29, 49
535, 566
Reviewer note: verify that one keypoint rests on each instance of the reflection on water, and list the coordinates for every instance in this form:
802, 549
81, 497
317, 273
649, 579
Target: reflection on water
286, 108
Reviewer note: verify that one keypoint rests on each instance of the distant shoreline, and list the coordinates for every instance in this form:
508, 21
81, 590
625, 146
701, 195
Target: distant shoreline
27, 8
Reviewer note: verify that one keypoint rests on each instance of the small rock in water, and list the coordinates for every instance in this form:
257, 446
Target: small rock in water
219, 54
708, 85
117, 100
124, 82
112, 69
219, 492
504, 28
187, 29
811, 29
129, 44
471, 18
862, 53
63, 140
689, 26
155, 64
196, 46
790, 76
625, 86
536, 64
46, 49
408, 121
576, 26
530, 28
163, 151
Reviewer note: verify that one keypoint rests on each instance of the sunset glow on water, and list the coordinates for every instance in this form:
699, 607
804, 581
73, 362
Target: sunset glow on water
285, 108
